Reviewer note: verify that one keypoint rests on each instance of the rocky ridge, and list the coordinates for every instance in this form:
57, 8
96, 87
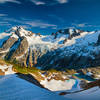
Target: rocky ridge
68, 48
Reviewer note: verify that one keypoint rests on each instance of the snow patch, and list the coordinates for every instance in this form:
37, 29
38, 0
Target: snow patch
7, 69
58, 85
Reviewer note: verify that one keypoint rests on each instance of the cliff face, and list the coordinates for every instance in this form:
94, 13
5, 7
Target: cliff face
70, 48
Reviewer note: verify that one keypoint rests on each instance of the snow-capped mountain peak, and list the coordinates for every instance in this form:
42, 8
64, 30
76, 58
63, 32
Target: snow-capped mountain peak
32, 49
20, 31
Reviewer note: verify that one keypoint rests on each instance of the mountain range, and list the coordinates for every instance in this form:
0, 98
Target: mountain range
66, 49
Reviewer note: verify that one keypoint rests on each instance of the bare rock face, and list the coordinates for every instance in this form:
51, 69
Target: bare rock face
64, 41
71, 62
23, 46
96, 61
98, 42
1, 72
8, 44
30, 59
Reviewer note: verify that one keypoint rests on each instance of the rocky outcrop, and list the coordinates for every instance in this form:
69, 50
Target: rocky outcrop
30, 58
71, 62
21, 48
98, 42
65, 41
8, 44
1, 72
69, 48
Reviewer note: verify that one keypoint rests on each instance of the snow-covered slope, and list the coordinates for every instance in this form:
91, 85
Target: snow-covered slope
14, 88
58, 85
90, 94
73, 48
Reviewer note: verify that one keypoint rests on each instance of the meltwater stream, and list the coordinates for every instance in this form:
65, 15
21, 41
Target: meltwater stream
14, 88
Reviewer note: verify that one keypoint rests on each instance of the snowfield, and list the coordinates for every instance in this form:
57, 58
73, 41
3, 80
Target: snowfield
90, 94
58, 85
14, 88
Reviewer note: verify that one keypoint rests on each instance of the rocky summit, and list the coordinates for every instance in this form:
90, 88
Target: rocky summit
67, 48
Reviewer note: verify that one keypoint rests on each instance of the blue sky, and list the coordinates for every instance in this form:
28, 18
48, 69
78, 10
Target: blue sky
46, 16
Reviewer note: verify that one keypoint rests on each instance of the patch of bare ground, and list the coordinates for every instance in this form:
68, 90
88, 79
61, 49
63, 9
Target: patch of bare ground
2, 62
92, 84
1, 72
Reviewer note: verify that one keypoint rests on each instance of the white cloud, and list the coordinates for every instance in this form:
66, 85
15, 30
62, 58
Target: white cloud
40, 24
30, 23
49, 3
62, 1
4, 24
12, 20
55, 27
1, 15
13, 1
80, 25
37, 2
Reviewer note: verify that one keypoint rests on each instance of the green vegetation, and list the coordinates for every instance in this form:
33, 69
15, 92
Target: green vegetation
53, 71
22, 69
2, 62
70, 71
25, 70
